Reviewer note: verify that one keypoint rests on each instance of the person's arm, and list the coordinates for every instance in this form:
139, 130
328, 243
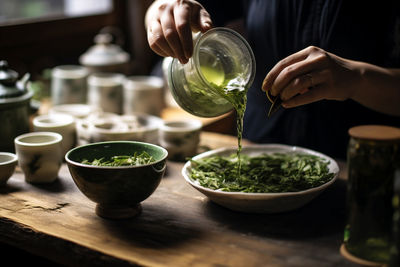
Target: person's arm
169, 25
313, 74
379, 89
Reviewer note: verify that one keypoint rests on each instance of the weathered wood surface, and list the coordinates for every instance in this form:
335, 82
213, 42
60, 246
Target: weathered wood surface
177, 227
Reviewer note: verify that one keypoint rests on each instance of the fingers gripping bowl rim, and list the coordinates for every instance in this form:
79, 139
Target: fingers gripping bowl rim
261, 202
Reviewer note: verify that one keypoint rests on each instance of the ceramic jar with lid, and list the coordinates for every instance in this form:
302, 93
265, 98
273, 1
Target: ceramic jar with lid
373, 158
14, 106
106, 56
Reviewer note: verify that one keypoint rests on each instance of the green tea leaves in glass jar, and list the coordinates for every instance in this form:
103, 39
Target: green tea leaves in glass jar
373, 156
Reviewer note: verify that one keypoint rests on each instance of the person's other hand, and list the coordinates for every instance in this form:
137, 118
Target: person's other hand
170, 25
310, 75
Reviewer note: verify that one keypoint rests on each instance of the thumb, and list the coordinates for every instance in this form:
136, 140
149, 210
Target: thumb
200, 20
205, 21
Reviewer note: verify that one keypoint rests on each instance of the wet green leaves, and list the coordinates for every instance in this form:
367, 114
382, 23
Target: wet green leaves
267, 173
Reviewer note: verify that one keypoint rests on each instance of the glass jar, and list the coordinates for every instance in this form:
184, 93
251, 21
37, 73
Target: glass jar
222, 59
373, 156
395, 248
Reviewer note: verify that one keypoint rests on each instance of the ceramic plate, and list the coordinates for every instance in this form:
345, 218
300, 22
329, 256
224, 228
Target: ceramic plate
261, 202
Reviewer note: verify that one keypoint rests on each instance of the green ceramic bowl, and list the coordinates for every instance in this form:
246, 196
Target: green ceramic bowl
117, 191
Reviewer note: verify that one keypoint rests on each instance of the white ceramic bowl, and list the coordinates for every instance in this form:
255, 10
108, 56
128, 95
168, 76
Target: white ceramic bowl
8, 161
261, 202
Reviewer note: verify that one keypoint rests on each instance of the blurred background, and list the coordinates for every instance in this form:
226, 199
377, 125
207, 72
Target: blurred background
41, 34
37, 36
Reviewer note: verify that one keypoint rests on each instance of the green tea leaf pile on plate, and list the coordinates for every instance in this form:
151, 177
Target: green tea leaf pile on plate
266, 173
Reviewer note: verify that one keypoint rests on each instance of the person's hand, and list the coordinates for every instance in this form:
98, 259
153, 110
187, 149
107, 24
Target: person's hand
310, 75
170, 25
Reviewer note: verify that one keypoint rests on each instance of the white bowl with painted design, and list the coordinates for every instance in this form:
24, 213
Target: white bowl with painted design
39, 156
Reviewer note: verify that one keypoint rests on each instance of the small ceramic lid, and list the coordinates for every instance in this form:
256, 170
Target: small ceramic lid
375, 132
8, 82
104, 53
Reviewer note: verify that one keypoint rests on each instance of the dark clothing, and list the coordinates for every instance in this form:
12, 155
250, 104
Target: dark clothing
355, 30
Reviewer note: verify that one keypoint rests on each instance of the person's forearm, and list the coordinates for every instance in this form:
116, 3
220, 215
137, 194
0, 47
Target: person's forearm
379, 89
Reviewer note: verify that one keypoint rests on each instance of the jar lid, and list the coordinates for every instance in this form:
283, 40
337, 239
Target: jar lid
7, 75
9, 85
375, 132
104, 53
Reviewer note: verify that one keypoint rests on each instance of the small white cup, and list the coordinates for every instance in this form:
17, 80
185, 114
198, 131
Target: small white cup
39, 156
180, 138
143, 94
63, 124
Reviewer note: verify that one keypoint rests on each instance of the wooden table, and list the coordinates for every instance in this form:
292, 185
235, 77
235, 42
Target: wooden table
177, 227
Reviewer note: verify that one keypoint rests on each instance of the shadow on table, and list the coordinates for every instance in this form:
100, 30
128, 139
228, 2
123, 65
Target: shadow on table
163, 226
58, 186
156, 227
322, 216
9, 188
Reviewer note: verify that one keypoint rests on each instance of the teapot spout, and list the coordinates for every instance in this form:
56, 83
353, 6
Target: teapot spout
22, 83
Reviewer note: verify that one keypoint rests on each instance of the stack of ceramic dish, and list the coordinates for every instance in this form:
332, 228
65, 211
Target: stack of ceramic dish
100, 127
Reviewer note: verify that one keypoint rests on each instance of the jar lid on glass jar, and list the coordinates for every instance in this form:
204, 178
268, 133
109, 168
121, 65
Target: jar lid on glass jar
375, 132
